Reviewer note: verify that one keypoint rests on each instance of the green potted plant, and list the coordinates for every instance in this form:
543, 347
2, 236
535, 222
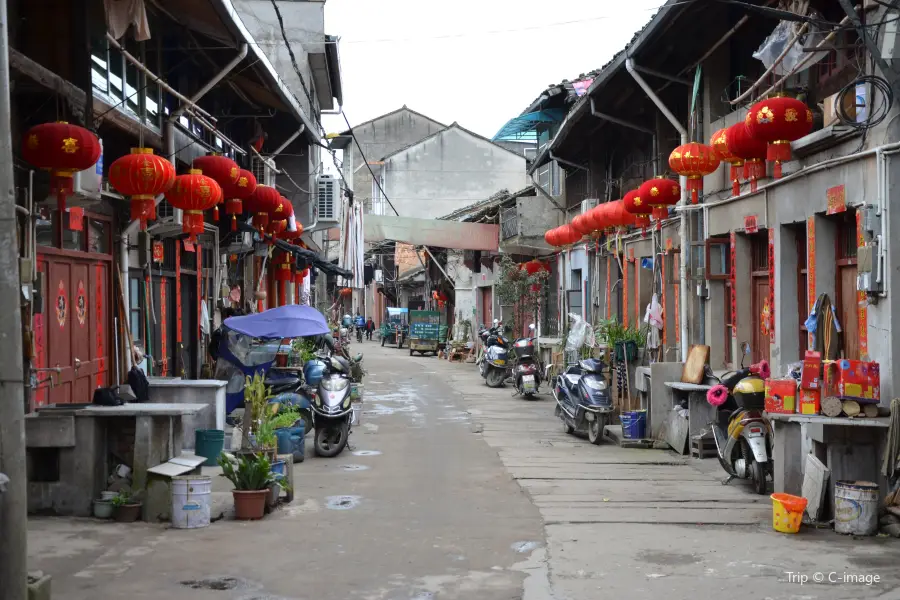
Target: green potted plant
126, 507
251, 476
622, 340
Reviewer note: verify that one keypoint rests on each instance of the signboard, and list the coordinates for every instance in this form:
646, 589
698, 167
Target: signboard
158, 252
811, 268
772, 285
836, 198
750, 224
732, 259
861, 300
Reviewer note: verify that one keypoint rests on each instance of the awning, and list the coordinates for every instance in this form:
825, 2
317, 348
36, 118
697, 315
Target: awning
524, 127
428, 232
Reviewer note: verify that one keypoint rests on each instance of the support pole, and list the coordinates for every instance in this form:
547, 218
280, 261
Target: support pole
13, 500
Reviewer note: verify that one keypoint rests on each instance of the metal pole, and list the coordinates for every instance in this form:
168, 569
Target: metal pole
13, 501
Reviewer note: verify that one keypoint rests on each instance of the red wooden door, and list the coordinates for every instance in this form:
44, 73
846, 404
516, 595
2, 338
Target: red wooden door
487, 302
760, 343
76, 321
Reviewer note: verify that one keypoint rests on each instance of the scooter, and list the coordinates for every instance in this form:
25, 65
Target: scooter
582, 399
485, 334
526, 372
744, 449
495, 362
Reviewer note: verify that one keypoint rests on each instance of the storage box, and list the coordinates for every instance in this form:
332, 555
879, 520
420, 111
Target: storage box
853, 380
811, 375
810, 402
781, 395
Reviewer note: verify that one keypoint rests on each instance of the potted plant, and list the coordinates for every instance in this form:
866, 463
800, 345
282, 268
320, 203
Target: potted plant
103, 509
126, 507
251, 476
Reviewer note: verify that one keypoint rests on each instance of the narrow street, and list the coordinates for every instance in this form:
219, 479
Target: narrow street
455, 491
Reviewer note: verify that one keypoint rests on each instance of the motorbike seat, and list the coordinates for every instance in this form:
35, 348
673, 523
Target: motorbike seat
282, 383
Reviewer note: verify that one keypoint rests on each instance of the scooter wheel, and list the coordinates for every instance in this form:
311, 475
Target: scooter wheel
758, 475
330, 441
595, 430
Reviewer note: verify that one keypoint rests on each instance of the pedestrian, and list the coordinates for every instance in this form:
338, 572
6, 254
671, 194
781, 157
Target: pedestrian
370, 328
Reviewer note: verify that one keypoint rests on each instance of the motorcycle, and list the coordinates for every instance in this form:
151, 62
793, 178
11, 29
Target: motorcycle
494, 363
744, 449
526, 372
582, 399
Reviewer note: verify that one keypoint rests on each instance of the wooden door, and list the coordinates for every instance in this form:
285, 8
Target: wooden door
847, 310
487, 305
76, 323
759, 301
164, 328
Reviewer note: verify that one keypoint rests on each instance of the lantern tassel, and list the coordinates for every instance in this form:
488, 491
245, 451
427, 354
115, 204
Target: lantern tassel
735, 180
233, 223
215, 213
695, 185
777, 170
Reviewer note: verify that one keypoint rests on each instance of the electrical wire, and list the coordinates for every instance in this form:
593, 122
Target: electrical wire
876, 113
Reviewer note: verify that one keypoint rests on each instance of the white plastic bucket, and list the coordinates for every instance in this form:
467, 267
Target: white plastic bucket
856, 507
191, 500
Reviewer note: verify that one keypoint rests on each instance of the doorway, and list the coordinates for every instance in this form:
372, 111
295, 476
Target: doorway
759, 301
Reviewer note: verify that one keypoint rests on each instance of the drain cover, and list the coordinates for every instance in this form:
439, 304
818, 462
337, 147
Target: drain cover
366, 453
218, 583
342, 502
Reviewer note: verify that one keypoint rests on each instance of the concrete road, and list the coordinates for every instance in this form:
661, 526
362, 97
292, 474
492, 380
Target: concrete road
455, 491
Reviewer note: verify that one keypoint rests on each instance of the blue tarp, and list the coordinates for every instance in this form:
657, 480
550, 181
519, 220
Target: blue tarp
522, 128
289, 321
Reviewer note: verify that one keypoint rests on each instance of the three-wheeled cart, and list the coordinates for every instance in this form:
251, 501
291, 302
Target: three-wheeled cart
424, 331
395, 329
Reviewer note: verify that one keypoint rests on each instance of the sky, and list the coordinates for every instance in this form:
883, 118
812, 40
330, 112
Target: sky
476, 62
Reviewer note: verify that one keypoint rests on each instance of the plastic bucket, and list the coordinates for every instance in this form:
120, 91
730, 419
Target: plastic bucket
634, 424
209, 443
283, 436
191, 501
787, 512
298, 442
856, 507
278, 467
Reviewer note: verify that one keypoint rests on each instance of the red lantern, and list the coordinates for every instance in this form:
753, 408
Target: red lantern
63, 150
221, 168
694, 161
264, 200
581, 224
719, 143
751, 150
568, 234
299, 276
143, 176
284, 268
533, 266
660, 194
235, 194
291, 235
618, 215
277, 228
779, 121
552, 237
193, 193
281, 210
642, 221
640, 209
600, 217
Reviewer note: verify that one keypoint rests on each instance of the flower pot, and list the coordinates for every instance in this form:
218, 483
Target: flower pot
103, 509
128, 513
108, 495
274, 492
249, 504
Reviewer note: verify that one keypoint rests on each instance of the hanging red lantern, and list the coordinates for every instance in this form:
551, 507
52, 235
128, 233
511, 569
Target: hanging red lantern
581, 225
749, 149
63, 150
694, 161
619, 216
281, 210
284, 268
264, 200
193, 193
235, 194
552, 237
719, 143
779, 121
660, 194
221, 168
143, 176
533, 266
600, 217
299, 276
277, 228
640, 209
569, 235
291, 235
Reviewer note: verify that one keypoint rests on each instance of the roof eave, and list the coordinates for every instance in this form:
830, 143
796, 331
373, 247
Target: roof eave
226, 9
332, 55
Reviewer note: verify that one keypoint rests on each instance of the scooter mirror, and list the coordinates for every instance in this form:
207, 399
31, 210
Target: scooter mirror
745, 348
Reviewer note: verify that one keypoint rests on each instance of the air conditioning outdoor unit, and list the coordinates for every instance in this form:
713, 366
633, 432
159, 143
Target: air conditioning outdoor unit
587, 204
329, 198
263, 172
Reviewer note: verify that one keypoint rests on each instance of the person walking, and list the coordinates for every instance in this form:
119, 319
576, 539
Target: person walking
370, 328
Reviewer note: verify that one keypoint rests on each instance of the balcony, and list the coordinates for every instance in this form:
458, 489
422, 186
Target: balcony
522, 227
509, 223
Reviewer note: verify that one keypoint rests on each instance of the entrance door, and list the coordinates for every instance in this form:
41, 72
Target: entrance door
164, 329
75, 323
847, 310
487, 305
759, 246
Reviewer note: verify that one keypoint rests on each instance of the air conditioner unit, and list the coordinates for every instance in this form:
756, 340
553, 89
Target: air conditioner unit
260, 168
328, 198
587, 204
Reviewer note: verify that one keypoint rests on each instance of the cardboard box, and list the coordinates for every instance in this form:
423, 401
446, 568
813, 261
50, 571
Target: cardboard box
853, 380
810, 402
829, 112
781, 395
811, 375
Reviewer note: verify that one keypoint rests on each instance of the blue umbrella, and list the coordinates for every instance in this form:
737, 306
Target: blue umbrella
289, 321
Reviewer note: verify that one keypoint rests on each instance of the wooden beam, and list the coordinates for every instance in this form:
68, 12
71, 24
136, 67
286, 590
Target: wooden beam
76, 97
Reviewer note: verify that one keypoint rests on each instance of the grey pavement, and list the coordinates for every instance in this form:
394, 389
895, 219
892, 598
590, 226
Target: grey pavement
457, 491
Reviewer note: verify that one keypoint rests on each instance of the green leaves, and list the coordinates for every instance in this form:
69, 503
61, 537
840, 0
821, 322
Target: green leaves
247, 473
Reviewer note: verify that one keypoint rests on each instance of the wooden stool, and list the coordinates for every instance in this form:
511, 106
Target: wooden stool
703, 446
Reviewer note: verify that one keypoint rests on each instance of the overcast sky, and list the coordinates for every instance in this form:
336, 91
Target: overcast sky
477, 62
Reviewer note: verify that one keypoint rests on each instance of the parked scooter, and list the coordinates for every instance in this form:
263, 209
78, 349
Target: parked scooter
494, 363
526, 372
582, 399
745, 448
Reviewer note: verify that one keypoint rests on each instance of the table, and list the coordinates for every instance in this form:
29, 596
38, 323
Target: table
83, 446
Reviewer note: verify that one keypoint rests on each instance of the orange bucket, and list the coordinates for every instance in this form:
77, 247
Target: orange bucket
787, 512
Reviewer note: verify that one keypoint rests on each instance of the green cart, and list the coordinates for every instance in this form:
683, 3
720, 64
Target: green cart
425, 329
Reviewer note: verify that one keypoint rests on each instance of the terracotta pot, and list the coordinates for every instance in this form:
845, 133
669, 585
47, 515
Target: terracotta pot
249, 505
128, 513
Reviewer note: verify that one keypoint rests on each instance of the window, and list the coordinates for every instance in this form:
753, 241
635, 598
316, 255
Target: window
97, 236
718, 258
135, 302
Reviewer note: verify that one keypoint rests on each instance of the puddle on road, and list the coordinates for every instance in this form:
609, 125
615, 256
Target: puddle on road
342, 502
354, 467
525, 547
367, 453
